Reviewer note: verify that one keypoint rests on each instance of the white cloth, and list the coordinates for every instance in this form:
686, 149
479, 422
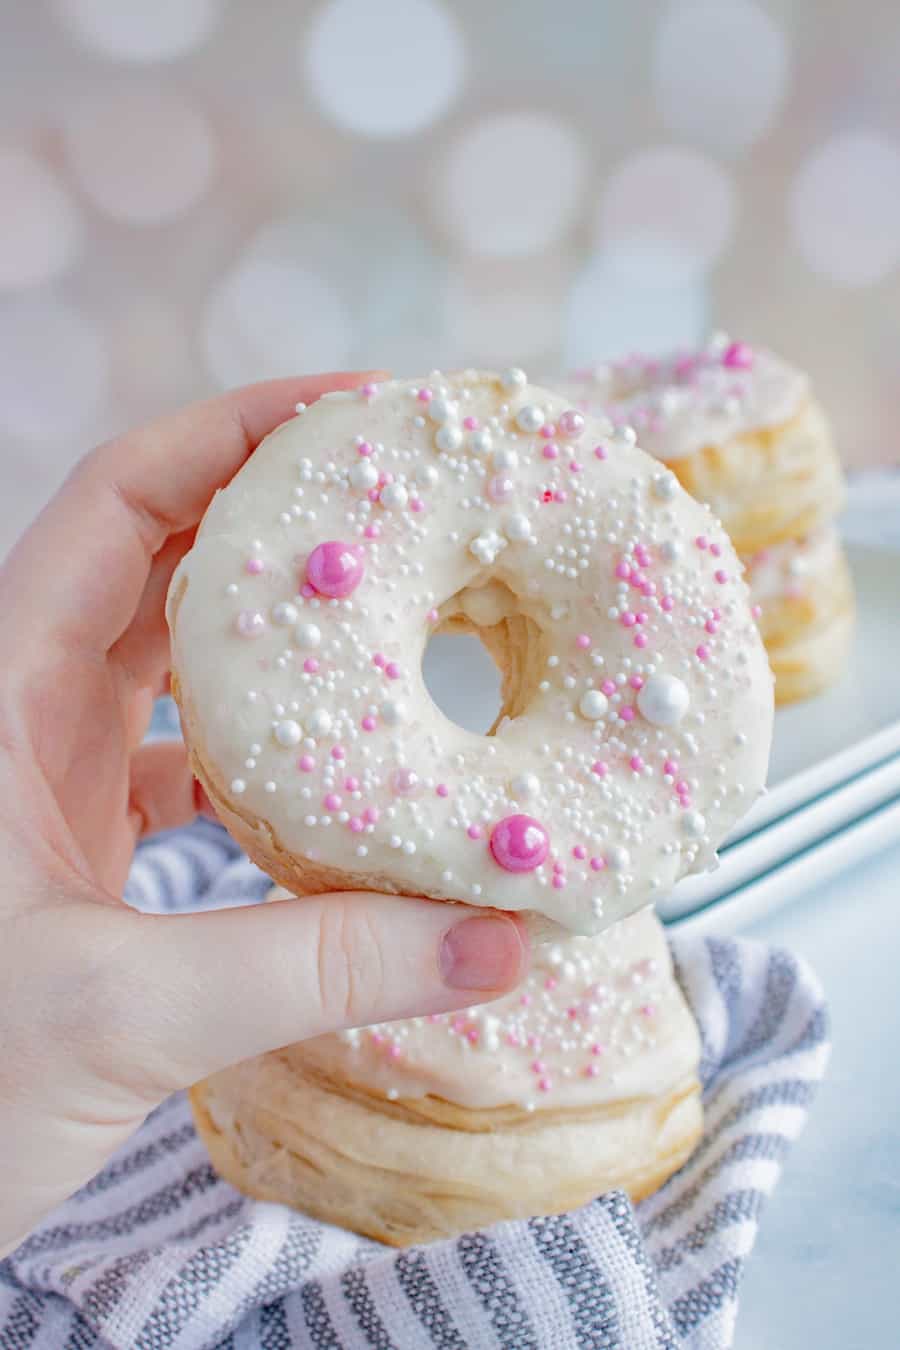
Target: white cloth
157, 1253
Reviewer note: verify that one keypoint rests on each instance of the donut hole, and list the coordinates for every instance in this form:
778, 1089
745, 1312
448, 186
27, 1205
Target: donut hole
483, 663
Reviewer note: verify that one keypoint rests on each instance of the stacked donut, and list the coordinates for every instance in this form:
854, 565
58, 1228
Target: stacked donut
743, 432
635, 730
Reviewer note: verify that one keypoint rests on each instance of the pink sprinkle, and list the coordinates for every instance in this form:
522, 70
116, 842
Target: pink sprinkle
716, 614
368, 723
739, 356
365, 449
642, 616
416, 504
715, 550
598, 1049
335, 569
471, 423
638, 579
682, 786
628, 620
395, 1052
357, 824
574, 466
627, 713
337, 752
459, 1025
598, 864
648, 1010
600, 451
702, 651
372, 531
351, 784
333, 802
667, 603
519, 843
255, 566
608, 687
637, 681
623, 571
371, 814
640, 640
538, 1066
368, 390
560, 496
525, 999
572, 1013
544, 1084
721, 577
756, 611
442, 790
559, 881
392, 670
571, 423
701, 541
311, 665
511, 1037
425, 396
551, 450
559, 865
474, 831
250, 623
534, 1042
432, 616
583, 641
648, 588
547, 430
550, 983
373, 494
472, 1035
711, 627
591, 1071
636, 763
670, 767
600, 768
579, 852
306, 763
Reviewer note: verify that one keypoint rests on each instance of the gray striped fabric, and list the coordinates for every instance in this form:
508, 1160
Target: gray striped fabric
157, 1252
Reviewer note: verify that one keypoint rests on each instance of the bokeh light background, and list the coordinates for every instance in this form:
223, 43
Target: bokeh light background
201, 192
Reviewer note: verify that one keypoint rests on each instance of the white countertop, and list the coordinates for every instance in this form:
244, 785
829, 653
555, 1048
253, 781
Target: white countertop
826, 1268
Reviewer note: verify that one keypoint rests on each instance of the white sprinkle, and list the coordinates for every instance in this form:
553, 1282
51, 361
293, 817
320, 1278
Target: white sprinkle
238, 786
288, 734
593, 705
307, 635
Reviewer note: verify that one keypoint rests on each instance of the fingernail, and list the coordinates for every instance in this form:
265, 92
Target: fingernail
478, 953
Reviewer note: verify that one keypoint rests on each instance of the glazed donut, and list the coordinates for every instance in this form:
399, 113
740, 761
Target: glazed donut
637, 702
738, 426
803, 595
583, 1080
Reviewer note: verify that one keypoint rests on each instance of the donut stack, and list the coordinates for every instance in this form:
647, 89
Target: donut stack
743, 432
634, 732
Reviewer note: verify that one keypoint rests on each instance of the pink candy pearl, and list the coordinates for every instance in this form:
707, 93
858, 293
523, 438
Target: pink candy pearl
600, 768
519, 843
306, 763
404, 781
500, 488
368, 724
474, 831
255, 566
332, 802
583, 641
739, 356
579, 851
600, 451
551, 450
392, 670
570, 424
442, 790
311, 665
335, 569
425, 396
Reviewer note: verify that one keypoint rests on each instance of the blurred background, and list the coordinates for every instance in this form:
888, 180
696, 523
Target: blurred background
197, 193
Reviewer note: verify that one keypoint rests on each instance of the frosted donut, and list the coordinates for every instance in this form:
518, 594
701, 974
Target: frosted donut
739, 427
637, 700
582, 1080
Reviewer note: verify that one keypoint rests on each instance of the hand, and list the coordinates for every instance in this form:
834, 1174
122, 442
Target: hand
104, 1011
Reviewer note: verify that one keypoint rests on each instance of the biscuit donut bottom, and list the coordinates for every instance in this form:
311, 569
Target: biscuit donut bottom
419, 1170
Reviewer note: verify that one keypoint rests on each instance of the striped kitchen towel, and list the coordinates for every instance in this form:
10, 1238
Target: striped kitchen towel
157, 1253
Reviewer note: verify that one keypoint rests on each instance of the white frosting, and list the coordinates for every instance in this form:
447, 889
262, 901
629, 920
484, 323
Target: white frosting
687, 401
788, 570
596, 1020
620, 576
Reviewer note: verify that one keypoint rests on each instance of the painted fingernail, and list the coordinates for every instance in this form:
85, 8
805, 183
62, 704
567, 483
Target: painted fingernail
486, 953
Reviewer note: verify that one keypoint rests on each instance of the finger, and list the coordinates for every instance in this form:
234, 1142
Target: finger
220, 987
143, 649
163, 793
78, 574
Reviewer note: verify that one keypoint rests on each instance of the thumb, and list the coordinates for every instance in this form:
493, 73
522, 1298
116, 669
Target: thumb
220, 987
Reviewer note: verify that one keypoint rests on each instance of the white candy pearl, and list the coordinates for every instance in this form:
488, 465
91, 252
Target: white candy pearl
593, 704
625, 436
505, 458
307, 635
518, 527
238, 786
482, 441
513, 378
665, 485
288, 734
529, 417
693, 823
670, 550
391, 712
284, 613
617, 858
441, 410
319, 722
525, 785
427, 475
394, 496
664, 700
449, 437
363, 475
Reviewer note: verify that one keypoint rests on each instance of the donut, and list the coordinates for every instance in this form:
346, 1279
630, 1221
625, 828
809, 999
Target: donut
737, 424
803, 595
583, 1080
637, 701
